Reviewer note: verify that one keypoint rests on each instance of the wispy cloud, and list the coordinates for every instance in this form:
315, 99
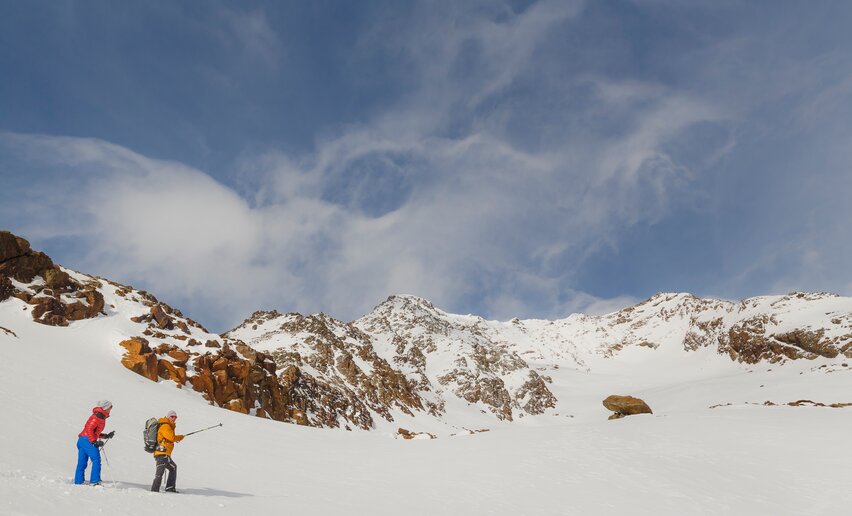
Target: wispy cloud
253, 34
487, 181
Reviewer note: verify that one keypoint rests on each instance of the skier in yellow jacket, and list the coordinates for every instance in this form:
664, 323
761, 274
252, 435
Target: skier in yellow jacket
166, 439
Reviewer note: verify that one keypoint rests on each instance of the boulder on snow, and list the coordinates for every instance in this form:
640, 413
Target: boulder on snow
408, 435
625, 406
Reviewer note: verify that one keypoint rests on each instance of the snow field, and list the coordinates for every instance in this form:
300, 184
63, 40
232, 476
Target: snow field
684, 459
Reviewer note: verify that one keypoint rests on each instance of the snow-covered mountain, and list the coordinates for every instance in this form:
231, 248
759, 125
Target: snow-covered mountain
408, 364
751, 405
408, 358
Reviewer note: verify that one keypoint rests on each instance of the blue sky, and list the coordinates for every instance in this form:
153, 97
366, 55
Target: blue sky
506, 159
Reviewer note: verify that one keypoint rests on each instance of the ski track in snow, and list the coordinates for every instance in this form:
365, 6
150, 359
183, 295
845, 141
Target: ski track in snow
684, 459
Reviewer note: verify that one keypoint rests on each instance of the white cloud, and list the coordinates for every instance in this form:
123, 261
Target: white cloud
475, 215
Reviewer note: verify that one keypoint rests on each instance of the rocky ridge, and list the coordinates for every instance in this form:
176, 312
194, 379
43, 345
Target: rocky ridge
371, 368
160, 343
407, 361
773, 329
55, 297
505, 368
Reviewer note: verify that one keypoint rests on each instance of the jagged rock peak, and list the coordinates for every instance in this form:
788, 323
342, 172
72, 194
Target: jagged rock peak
258, 318
261, 316
406, 306
407, 300
669, 296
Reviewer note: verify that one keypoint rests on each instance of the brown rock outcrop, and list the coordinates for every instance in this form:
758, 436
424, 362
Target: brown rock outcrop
56, 302
12, 246
236, 382
140, 359
534, 396
6, 288
93, 306
19, 261
48, 310
164, 322
179, 356
747, 342
57, 279
625, 406
408, 435
342, 392
810, 341
168, 370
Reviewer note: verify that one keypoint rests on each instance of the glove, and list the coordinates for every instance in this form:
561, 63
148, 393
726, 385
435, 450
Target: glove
179, 438
108, 435
98, 443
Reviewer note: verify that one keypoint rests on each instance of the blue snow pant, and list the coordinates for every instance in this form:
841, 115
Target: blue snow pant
85, 451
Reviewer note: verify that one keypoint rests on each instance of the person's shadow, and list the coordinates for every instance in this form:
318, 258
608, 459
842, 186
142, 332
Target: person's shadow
205, 491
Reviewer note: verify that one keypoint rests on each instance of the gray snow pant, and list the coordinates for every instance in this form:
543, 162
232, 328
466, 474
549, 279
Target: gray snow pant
164, 462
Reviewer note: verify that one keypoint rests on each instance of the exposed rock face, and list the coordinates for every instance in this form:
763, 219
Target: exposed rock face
625, 406
140, 358
59, 306
351, 381
49, 310
57, 298
484, 369
6, 288
90, 304
57, 279
333, 377
811, 342
161, 317
241, 380
750, 331
19, 261
533, 396
343, 374
487, 363
12, 246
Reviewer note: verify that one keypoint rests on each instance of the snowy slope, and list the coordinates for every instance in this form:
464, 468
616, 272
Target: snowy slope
684, 459
718, 375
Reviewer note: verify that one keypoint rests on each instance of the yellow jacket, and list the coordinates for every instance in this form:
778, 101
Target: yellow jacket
166, 437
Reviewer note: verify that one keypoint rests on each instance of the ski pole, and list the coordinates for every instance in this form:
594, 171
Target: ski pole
203, 429
106, 460
103, 452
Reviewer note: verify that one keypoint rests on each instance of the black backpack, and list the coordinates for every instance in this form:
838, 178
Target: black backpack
149, 435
